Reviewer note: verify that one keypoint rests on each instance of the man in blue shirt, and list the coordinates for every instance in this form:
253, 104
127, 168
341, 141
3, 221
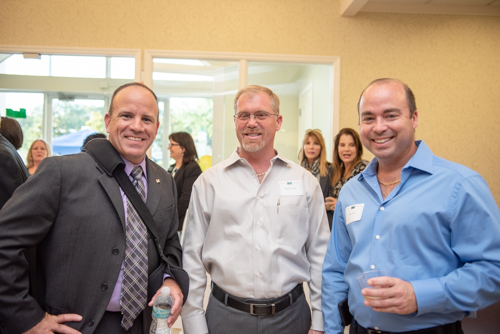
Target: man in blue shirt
431, 224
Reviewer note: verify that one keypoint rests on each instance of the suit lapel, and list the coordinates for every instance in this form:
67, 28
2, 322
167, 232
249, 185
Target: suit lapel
154, 187
113, 190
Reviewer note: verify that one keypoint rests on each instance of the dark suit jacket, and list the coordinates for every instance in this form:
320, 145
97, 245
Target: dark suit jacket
74, 211
324, 182
13, 172
184, 179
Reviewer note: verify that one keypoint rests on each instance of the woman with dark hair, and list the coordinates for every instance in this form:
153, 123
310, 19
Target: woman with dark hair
11, 130
347, 162
185, 170
38, 151
13, 172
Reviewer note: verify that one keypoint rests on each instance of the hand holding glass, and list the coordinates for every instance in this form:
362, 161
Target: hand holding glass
364, 277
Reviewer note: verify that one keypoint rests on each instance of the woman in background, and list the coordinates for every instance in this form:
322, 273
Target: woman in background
347, 162
312, 156
38, 151
185, 170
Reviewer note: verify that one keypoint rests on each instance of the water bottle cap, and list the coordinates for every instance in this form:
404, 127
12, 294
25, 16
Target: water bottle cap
165, 291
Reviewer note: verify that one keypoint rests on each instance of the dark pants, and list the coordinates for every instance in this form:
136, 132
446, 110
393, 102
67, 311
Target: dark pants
455, 328
111, 324
222, 319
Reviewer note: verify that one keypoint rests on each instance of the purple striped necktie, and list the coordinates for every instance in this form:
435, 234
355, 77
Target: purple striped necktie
135, 273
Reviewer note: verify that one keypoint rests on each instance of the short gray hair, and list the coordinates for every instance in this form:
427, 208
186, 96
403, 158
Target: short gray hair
254, 89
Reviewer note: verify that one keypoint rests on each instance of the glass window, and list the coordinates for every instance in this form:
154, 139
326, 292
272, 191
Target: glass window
194, 116
32, 125
68, 66
73, 121
16, 64
75, 97
122, 68
193, 97
78, 66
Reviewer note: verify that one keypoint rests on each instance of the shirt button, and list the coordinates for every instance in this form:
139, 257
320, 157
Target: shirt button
257, 248
382, 208
372, 266
377, 237
258, 222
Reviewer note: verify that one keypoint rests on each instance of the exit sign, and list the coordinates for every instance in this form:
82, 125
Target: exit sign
16, 114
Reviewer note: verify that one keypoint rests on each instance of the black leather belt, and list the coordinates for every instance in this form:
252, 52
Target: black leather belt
455, 328
258, 306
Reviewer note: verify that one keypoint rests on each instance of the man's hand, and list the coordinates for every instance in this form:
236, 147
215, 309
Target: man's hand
312, 331
330, 203
51, 324
392, 295
176, 293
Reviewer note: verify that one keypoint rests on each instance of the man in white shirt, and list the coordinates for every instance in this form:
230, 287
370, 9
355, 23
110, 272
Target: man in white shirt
257, 225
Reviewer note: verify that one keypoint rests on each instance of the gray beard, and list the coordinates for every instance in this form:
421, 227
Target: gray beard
253, 146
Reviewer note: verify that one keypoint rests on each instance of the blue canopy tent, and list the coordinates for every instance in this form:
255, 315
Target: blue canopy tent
70, 143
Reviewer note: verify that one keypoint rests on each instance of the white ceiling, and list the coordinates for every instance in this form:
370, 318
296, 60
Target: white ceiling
453, 7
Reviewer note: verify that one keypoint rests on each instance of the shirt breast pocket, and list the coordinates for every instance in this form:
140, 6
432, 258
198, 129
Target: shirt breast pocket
290, 226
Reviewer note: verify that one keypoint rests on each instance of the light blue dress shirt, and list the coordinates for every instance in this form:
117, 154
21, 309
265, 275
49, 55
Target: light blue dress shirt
439, 229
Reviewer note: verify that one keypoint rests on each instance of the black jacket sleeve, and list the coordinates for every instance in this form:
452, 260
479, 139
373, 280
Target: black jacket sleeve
184, 180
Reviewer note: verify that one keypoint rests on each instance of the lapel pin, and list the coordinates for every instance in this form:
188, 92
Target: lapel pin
157, 180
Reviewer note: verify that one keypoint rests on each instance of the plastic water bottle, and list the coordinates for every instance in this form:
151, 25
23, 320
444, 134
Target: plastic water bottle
161, 311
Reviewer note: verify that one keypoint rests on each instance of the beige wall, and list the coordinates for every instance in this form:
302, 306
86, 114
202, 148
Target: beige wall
451, 62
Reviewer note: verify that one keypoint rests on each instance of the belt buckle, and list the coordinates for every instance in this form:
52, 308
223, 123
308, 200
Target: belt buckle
273, 308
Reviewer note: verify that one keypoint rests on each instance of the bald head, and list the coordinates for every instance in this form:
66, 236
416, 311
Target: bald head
410, 98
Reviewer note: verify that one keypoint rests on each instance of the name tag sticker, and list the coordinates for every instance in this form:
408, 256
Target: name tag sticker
291, 188
353, 213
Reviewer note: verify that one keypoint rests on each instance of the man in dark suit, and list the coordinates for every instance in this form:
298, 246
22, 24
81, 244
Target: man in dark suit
13, 172
79, 218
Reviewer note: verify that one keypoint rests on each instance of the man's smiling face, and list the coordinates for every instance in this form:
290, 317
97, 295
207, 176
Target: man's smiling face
255, 135
387, 128
133, 123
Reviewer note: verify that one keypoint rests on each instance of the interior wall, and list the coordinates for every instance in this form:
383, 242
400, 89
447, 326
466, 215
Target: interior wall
451, 62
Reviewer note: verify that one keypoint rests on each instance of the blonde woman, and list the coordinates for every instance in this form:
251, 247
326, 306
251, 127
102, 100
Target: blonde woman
38, 151
312, 156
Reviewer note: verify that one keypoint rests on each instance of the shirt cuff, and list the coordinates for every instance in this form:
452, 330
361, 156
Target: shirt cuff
430, 296
317, 321
196, 324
